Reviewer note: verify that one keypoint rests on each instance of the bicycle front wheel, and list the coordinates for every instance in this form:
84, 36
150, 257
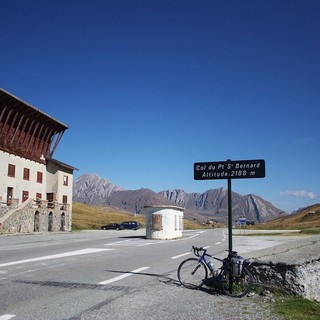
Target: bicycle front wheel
237, 286
192, 274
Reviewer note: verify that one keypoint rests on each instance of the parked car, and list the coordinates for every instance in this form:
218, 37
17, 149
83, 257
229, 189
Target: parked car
134, 225
112, 226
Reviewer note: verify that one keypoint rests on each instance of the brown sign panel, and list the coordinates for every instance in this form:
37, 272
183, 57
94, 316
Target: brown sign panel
241, 169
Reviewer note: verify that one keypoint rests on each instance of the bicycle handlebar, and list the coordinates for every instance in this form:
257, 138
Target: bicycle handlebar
197, 251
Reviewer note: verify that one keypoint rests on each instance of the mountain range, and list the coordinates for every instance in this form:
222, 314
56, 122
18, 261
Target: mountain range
210, 205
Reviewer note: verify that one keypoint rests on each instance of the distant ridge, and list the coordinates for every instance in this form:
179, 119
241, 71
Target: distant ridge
210, 205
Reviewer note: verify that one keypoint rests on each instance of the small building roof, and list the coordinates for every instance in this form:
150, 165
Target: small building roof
165, 206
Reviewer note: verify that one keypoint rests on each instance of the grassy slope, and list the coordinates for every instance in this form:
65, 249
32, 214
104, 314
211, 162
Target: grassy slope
306, 219
90, 217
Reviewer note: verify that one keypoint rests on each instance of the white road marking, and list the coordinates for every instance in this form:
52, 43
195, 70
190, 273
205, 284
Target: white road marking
117, 243
125, 275
185, 254
193, 236
218, 243
154, 242
224, 236
55, 256
180, 255
142, 243
7, 316
137, 243
24, 272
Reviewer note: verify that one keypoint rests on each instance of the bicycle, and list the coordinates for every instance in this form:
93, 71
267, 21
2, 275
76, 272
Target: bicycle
232, 277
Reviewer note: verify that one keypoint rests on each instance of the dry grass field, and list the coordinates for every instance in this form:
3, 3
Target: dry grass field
91, 217
307, 220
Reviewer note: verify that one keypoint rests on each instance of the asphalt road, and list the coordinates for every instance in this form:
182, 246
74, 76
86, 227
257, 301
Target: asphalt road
103, 275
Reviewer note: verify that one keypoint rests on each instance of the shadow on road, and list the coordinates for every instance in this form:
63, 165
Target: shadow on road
74, 285
165, 279
133, 237
172, 282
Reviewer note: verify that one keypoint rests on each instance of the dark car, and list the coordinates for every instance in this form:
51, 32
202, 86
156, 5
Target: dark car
133, 225
112, 226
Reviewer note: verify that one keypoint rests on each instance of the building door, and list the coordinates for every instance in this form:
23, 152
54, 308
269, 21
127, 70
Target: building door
65, 201
36, 222
50, 222
50, 200
63, 222
9, 195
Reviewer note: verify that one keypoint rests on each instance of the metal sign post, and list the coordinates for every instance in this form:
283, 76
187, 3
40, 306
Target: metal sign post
229, 170
230, 215
243, 222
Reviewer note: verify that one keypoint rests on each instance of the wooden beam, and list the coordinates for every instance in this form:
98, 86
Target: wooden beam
16, 130
56, 143
32, 136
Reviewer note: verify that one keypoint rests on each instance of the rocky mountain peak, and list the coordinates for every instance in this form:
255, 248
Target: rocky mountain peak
92, 189
212, 204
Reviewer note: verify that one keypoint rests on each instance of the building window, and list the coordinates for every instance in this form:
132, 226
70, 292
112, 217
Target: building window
39, 177
65, 180
11, 170
26, 174
25, 195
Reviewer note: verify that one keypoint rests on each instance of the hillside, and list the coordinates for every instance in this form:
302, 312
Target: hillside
93, 217
307, 218
210, 205
90, 217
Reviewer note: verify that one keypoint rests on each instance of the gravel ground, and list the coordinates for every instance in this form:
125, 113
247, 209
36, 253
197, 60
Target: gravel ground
254, 307
154, 303
301, 250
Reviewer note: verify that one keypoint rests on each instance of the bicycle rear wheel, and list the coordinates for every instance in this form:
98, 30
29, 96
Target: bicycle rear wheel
192, 274
237, 286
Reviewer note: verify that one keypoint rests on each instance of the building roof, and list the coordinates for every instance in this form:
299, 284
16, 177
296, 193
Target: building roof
8, 99
61, 164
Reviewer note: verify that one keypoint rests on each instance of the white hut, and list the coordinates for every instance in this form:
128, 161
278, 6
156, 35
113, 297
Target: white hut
164, 222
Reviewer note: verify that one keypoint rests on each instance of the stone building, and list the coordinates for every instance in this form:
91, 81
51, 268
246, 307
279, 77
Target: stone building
35, 188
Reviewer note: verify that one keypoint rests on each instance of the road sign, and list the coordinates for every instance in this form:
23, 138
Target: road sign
240, 169
242, 220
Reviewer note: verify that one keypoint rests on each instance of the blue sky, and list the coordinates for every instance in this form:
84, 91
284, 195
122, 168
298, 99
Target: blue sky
148, 88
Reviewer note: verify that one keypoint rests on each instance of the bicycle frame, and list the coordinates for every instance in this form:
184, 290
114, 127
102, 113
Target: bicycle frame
233, 276
225, 262
206, 262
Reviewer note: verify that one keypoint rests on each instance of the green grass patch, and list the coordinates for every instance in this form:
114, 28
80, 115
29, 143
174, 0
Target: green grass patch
297, 308
315, 230
265, 234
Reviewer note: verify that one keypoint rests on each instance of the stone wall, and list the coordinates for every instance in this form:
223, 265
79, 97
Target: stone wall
294, 279
36, 218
